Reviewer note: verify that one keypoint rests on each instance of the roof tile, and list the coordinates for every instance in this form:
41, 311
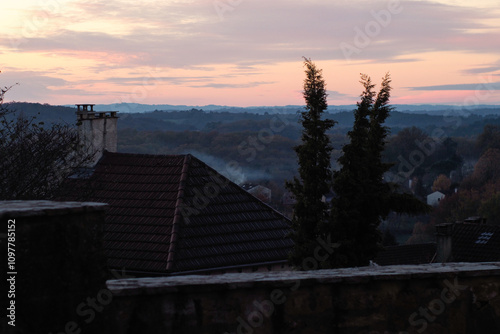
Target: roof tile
226, 227
476, 242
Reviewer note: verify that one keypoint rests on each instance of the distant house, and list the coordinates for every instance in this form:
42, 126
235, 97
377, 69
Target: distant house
470, 241
434, 198
259, 191
173, 214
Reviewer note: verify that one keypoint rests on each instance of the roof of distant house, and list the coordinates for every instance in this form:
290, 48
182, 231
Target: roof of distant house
436, 193
473, 242
248, 186
174, 213
406, 254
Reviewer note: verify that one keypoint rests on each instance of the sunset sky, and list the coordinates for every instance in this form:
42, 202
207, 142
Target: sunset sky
247, 52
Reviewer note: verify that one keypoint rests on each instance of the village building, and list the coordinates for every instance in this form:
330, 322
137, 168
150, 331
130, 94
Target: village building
434, 198
174, 214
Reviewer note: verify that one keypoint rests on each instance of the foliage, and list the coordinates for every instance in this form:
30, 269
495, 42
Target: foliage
486, 169
490, 209
442, 183
419, 154
35, 159
479, 193
490, 138
310, 219
423, 232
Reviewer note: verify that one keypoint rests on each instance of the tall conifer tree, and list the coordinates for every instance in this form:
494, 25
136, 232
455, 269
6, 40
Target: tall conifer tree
310, 219
362, 198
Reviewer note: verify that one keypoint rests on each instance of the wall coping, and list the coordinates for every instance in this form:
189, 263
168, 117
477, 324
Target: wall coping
14, 209
166, 285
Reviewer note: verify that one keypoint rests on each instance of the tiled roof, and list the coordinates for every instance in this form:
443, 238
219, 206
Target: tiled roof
475, 242
406, 254
173, 213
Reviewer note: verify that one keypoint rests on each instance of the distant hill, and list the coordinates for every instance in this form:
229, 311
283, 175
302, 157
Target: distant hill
44, 112
63, 112
231, 119
430, 109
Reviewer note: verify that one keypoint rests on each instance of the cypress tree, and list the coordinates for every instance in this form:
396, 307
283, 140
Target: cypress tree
310, 220
362, 198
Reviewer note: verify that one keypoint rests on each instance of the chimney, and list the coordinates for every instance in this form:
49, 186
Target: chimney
444, 233
476, 220
97, 130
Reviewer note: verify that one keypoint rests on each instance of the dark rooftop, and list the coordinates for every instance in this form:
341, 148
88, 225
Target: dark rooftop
174, 213
406, 254
474, 242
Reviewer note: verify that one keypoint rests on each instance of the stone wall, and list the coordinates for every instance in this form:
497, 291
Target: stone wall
60, 287
58, 265
451, 298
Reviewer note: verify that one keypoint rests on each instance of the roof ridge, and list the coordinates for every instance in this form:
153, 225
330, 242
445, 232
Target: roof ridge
177, 213
148, 155
269, 207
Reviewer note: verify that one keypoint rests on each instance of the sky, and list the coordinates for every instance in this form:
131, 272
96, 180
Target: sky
248, 52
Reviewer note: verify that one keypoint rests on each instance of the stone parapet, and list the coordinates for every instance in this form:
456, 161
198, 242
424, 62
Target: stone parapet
435, 298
